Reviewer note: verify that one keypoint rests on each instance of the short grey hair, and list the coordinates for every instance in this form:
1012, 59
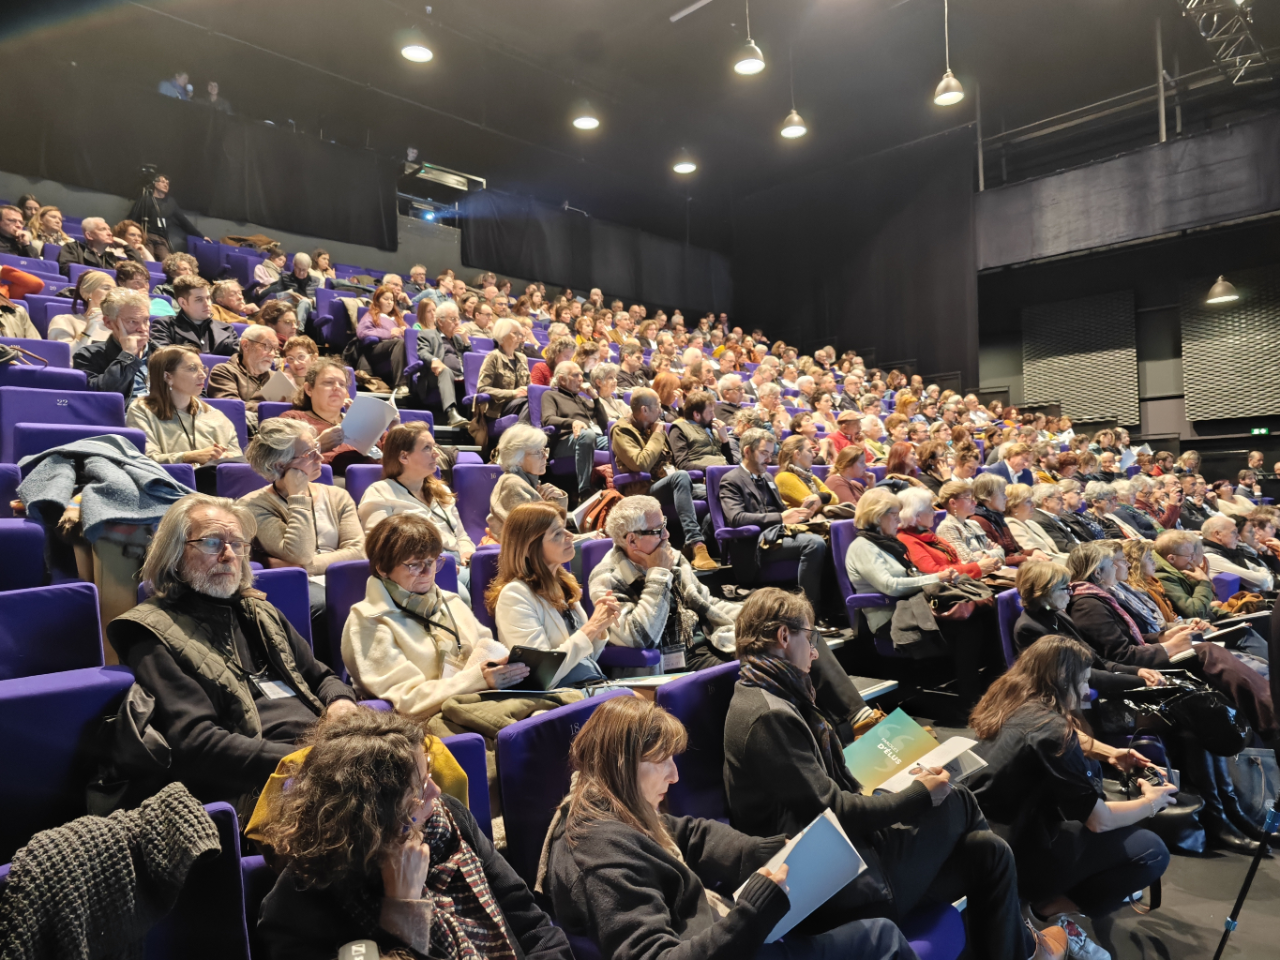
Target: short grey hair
124, 297
1097, 490
516, 442
728, 381
162, 567
603, 371
503, 328
301, 260
1043, 491
1141, 483
1123, 489
768, 390
986, 486
224, 287
800, 381
258, 333
449, 307
916, 502
562, 370
1217, 524
1068, 485
628, 516
272, 446
754, 437
88, 223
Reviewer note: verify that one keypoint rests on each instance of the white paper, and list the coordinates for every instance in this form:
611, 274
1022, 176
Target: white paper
367, 419
1127, 459
279, 388
939, 756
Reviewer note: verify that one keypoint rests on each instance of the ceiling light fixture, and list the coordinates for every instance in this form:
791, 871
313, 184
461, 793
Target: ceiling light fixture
417, 52
750, 60
949, 90
684, 163
793, 126
584, 118
1222, 292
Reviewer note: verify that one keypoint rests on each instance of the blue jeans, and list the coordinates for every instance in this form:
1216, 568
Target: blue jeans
811, 550
676, 490
860, 939
583, 449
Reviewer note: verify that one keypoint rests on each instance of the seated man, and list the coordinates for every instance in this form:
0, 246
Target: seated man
193, 325
731, 396
99, 248
1127, 514
439, 340
245, 374
631, 367
1048, 501
235, 685
15, 238
481, 325
417, 281
1015, 463
581, 424
749, 497
298, 286
640, 446
1223, 550
228, 302
848, 430
119, 363
699, 439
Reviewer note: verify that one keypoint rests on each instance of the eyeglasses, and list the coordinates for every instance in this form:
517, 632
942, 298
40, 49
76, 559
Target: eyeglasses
417, 567
309, 454
212, 546
652, 533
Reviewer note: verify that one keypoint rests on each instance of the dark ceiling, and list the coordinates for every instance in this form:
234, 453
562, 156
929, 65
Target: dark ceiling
495, 100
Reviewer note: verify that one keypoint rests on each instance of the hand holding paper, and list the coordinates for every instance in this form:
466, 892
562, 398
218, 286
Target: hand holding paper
366, 421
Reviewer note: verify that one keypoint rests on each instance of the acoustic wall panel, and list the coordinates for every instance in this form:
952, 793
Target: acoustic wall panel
1083, 355
1231, 352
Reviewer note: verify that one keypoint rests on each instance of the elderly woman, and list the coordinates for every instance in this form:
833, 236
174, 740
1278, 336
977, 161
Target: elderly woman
873, 437
301, 523
557, 351
795, 478
958, 527
76, 328
604, 380
412, 872
1101, 499
848, 476
1020, 515
929, 552
535, 600
321, 402
504, 375
410, 462
522, 454
988, 513
409, 642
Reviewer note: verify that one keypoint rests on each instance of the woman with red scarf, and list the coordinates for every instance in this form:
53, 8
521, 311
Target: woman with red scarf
929, 552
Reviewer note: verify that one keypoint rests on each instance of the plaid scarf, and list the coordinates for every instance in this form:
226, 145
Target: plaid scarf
783, 679
1081, 588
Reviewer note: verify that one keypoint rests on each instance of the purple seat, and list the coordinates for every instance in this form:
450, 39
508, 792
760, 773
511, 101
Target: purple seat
484, 568
22, 546
286, 589
57, 352
272, 408
843, 533
360, 477
877, 472
26, 405
533, 776
32, 438
43, 307
77, 270
593, 551
774, 571
235, 480
700, 701
184, 473
28, 264
473, 483
241, 268
1008, 609
10, 477
1224, 585
49, 629
935, 931
233, 409
34, 376
48, 721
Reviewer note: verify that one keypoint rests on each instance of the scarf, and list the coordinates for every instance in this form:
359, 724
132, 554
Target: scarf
1139, 606
805, 475
1081, 588
890, 545
1155, 590
931, 539
998, 525
1092, 524
432, 612
528, 478
785, 680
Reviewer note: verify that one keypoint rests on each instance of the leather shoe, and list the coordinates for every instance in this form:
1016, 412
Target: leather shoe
1226, 837
455, 419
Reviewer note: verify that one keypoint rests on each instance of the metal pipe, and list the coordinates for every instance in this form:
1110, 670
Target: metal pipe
1160, 81
977, 107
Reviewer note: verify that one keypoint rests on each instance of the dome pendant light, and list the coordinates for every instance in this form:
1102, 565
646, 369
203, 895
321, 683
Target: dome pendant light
584, 118
413, 46
1222, 292
949, 90
793, 126
684, 163
750, 60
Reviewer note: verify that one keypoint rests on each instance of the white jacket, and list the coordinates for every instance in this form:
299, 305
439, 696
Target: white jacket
386, 498
524, 619
391, 656
1031, 536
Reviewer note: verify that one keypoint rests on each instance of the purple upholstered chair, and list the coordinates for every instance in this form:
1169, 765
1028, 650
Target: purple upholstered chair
1008, 609
472, 360
1224, 585
22, 547
184, 473
10, 477
272, 408
360, 477
235, 480
57, 352
484, 568
843, 533
473, 483
42, 378
49, 629
700, 701
233, 409
773, 571
77, 270
33, 438
83, 407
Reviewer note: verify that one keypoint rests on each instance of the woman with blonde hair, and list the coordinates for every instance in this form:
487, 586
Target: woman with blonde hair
1019, 509
46, 227
535, 601
77, 329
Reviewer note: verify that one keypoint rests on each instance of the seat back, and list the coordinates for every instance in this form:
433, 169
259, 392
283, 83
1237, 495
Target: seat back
713, 477
233, 409
22, 546
593, 551
48, 723
843, 533
533, 775
49, 629
536, 390
32, 438
26, 405
484, 567
77, 270
10, 477
272, 408
1008, 609
473, 483
1224, 585
236, 480
57, 352
700, 701
184, 473
360, 477
472, 361
42, 378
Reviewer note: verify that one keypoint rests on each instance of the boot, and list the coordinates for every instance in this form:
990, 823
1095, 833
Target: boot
699, 558
455, 419
1231, 804
1199, 767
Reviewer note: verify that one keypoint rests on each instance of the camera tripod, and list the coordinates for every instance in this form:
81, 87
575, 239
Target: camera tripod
1233, 921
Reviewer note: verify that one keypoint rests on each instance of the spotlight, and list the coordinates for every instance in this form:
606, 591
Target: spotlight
416, 52
793, 126
685, 163
584, 118
1222, 292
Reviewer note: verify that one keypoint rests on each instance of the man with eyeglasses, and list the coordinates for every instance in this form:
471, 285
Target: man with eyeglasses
244, 375
1048, 517
235, 685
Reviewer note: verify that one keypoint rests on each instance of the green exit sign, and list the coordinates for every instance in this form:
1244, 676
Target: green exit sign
1261, 431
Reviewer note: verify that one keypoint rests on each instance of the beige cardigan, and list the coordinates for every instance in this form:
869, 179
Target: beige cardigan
509, 492
392, 657
78, 329
288, 532
386, 498
168, 441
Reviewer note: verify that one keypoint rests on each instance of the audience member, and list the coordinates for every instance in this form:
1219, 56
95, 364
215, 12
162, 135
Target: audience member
847, 476
244, 375
699, 439
194, 325
228, 303
119, 363
928, 552
97, 249
15, 238
176, 265
1225, 554
580, 423
79, 328
556, 352
213, 100
959, 529
796, 482
381, 335
440, 347
604, 381
28, 205
297, 356
504, 375
133, 276
522, 454
45, 226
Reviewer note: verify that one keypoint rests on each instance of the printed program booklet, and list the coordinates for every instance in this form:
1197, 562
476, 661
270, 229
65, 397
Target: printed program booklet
885, 756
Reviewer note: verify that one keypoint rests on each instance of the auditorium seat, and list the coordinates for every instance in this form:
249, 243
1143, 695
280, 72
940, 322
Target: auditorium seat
25, 405
33, 438
77, 270
235, 480
360, 477
10, 477
484, 568
473, 484
1008, 609
773, 571
56, 352
233, 409
42, 378
22, 547
1225, 585
700, 701
49, 629
184, 473
593, 551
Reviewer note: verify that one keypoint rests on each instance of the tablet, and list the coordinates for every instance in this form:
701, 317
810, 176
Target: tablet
543, 666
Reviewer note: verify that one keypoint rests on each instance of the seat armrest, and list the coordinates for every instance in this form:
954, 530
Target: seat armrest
737, 533
860, 600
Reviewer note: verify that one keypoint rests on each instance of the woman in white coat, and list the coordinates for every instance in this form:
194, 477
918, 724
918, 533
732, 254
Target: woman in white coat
535, 600
1018, 511
409, 642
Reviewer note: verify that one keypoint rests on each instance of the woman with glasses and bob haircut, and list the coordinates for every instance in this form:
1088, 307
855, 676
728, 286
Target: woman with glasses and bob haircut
629, 876
375, 851
536, 601
522, 454
179, 426
409, 642
301, 523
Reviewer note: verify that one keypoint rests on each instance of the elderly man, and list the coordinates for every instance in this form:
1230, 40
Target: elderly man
244, 375
1047, 499
699, 439
848, 430
581, 424
193, 325
417, 280
759, 377
975, 412
731, 397
640, 446
235, 685
624, 328
1225, 553
631, 372
440, 345
298, 286
228, 302
1182, 571
749, 497
98, 248
15, 239
769, 399
119, 363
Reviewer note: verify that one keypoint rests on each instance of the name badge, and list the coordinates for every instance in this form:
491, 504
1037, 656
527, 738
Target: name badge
275, 689
672, 659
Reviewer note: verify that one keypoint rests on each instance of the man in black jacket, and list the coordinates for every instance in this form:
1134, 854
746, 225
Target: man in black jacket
1072, 497
15, 240
159, 214
119, 363
631, 372
1047, 498
438, 343
235, 685
97, 249
581, 424
730, 387
194, 325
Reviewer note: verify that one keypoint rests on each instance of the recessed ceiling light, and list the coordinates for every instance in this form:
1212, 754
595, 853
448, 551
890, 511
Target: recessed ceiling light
584, 118
684, 163
416, 52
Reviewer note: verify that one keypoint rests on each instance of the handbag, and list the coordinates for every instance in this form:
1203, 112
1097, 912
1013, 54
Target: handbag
1185, 704
958, 599
133, 756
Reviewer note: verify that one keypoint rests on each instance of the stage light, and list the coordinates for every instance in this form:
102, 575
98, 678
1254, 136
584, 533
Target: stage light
750, 60
416, 52
685, 163
1222, 292
949, 90
584, 118
793, 126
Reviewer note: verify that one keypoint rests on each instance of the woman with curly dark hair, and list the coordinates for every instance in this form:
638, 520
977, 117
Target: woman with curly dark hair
374, 851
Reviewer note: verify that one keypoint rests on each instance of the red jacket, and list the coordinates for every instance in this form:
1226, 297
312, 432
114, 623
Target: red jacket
541, 374
932, 554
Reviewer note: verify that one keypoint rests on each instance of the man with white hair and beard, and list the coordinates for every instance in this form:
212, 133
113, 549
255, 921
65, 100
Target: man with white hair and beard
234, 683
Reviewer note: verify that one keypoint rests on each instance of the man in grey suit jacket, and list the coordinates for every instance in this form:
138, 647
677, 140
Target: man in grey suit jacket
438, 349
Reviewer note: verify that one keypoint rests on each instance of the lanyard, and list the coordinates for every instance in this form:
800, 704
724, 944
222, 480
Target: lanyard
191, 437
434, 506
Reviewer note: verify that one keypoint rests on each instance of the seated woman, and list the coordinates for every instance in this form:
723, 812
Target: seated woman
959, 529
1076, 853
535, 601
795, 479
804, 425
873, 438
374, 851
553, 354
824, 411
667, 386
1104, 441
45, 226
897, 427
927, 551
522, 454
1229, 502
965, 460
322, 263
585, 330
1101, 500
179, 426
410, 461
931, 465
301, 523
280, 316
784, 766
409, 642
321, 402
900, 468
381, 335
988, 513
504, 375
84, 323
604, 380
610, 843
848, 476
1020, 514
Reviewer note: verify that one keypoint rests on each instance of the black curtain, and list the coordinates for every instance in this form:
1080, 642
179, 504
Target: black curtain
232, 167
876, 254
524, 238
